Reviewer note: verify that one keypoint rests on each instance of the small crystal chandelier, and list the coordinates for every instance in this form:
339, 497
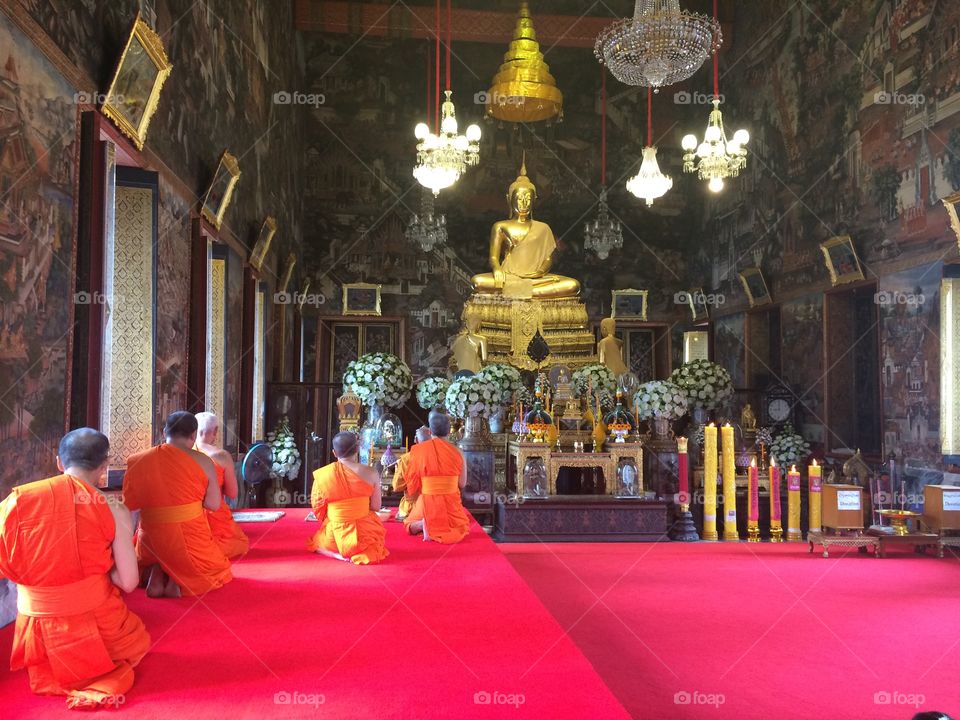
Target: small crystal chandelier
715, 158
604, 233
428, 229
660, 45
649, 184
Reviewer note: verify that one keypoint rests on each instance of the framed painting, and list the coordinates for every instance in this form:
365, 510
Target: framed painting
264, 240
361, 299
755, 287
629, 305
951, 202
134, 90
841, 259
220, 192
699, 308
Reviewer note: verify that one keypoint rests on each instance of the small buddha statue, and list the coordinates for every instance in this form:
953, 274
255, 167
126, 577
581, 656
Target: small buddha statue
470, 347
748, 421
610, 349
521, 251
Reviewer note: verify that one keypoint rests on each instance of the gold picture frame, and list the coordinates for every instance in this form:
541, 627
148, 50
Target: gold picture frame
699, 308
288, 272
220, 193
264, 240
840, 257
303, 295
951, 202
755, 287
135, 88
629, 304
361, 299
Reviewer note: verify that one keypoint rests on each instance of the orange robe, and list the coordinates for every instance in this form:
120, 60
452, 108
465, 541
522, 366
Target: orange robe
434, 471
169, 486
74, 633
400, 485
341, 502
226, 531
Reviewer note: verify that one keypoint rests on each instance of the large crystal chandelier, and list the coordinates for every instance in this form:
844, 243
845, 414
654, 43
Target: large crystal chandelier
715, 159
428, 229
660, 45
649, 184
604, 233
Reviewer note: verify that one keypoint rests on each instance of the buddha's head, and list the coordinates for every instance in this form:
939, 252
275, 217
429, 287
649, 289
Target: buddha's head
608, 327
521, 195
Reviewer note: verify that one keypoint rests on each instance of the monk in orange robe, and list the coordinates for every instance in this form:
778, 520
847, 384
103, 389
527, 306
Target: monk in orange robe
400, 482
435, 475
70, 551
231, 539
171, 485
345, 498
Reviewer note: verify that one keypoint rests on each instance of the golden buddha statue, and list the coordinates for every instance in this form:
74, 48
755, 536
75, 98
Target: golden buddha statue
610, 349
521, 252
470, 347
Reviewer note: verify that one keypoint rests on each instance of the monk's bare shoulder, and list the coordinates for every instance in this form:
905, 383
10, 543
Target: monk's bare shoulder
222, 457
366, 472
121, 515
203, 460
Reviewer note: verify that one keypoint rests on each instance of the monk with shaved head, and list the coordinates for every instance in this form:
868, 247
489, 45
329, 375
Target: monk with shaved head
231, 539
345, 498
70, 550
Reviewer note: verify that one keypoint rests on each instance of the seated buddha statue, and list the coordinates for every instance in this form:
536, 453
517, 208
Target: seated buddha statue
521, 252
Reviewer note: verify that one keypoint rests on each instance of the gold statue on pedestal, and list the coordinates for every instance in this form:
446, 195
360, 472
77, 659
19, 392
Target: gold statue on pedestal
748, 420
521, 251
470, 347
610, 349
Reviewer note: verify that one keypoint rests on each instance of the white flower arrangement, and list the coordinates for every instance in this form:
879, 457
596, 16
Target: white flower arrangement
286, 457
789, 448
473, 396
431, 392
379, 379
706, 384
506, 377
596, 377
764, 437
660, 398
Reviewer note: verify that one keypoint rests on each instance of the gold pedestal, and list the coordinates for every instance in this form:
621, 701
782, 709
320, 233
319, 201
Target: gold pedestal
509, 324
794, 536
753, 531
776, 533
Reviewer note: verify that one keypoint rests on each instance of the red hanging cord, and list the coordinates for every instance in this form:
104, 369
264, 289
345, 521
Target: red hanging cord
716, 62
649, 117
603, 127
449, 23
437, 85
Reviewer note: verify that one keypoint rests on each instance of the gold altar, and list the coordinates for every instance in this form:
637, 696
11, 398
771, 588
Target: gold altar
607, 461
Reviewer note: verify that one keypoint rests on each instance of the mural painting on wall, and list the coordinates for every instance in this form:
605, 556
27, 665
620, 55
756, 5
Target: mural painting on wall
910, 365
729, 349
801, 329
856, 131
38, 123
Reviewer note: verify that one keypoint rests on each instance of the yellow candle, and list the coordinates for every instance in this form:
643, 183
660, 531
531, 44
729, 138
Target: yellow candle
776, 519
793, 506
815, 496
729, 484
710, 482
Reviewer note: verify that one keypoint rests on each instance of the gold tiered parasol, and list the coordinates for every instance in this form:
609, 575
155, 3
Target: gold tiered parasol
524, 90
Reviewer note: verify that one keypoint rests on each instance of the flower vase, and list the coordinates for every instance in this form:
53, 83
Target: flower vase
661, 429
369, 430
476, 434
496, 422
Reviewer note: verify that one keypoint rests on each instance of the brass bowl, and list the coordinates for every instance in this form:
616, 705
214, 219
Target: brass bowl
898, 519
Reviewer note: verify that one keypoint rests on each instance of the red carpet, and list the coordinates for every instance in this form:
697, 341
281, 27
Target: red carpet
416, 637
776, 632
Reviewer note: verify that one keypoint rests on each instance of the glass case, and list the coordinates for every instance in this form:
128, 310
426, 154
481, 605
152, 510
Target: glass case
535, 478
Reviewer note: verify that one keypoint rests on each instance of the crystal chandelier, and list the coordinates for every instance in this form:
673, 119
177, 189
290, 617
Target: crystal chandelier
604, 233
649, 184
443, 157
660, 45
715, 158
428, 229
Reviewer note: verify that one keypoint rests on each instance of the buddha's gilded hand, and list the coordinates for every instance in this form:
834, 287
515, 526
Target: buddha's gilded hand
499, 277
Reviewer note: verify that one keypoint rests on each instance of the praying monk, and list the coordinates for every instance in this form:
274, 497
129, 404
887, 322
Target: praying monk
345, 498
435, 475
231, 539
171, 484
399, 482
70, 551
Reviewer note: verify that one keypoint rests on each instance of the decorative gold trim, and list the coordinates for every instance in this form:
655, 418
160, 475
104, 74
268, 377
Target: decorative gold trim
347, 310
264, 239
303, 295
228, 164
693, 295
628, 293
288, 273
755, 301
153, 46
951, 202
837, 278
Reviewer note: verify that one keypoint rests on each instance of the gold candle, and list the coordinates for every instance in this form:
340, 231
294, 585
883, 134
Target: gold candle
710, 482
776, 519
793, 506
815, 496
729, 484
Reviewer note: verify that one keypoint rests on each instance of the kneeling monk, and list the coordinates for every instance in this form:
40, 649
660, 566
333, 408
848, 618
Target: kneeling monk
231, 539
70, 551
399, 475
345, 498
172, 484
435, 475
